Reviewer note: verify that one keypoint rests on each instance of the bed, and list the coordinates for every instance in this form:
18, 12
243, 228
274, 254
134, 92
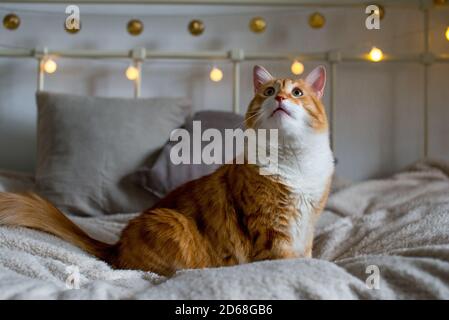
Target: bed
398, 227
378, 239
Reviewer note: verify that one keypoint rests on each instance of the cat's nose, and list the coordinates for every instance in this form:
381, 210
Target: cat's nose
279, 98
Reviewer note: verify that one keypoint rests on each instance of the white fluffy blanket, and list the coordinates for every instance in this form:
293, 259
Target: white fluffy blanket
398, 226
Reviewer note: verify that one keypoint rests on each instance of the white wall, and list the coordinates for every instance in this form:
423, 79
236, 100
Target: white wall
379, 106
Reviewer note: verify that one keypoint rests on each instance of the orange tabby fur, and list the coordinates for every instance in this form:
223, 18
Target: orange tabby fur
233, 216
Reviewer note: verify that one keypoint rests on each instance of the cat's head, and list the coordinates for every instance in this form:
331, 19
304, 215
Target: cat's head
293, 106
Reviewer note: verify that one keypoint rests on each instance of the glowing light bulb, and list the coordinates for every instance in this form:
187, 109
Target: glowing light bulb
216, 74
297, 67
376, 54
447, 33
50, 66
132, 73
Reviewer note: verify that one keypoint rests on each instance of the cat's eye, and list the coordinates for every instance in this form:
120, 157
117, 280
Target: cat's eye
296, 92
269, 91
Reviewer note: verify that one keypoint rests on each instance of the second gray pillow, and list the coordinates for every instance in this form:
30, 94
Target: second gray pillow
163, 176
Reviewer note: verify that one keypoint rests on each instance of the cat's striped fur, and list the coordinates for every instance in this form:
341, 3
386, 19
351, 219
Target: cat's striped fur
232, 216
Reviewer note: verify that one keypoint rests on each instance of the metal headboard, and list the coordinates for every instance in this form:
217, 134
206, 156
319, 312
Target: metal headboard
238, 56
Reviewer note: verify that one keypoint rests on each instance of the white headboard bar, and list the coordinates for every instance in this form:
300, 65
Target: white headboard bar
237, 56
298, 3
334, 57
138, 56
217, 55
40, 54
428, 59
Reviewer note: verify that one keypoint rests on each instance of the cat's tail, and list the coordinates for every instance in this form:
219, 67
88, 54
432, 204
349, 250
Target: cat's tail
30, 210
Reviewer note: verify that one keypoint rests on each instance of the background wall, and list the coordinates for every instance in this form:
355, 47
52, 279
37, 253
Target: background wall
379, 106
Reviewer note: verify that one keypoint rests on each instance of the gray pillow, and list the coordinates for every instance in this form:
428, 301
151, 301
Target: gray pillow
88, 145
162, 176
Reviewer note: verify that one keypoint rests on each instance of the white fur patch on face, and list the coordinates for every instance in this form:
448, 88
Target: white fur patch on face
291, 120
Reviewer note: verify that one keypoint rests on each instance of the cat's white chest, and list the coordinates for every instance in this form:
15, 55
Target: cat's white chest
306, 170
308, 178
302, 225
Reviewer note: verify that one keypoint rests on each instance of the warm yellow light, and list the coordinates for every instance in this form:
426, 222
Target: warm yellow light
216, 74
50, 66
297, 67
376, 54
447, 33
132, 73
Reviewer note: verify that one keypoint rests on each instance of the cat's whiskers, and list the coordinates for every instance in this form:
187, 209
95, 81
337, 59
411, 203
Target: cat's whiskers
254, 113
260, 115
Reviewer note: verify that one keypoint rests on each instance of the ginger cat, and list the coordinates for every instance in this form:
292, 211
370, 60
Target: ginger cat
232, 216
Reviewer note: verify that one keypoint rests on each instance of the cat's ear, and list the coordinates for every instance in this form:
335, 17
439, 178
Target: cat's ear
260, 77
317, 80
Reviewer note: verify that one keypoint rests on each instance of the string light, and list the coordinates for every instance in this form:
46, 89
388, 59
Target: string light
73, 29
257, 25
196, 27
317, 20
376, 54
50, 66
11, 21
297, 67
216, 74
447, 33
134, 27
132, 73
380, 12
